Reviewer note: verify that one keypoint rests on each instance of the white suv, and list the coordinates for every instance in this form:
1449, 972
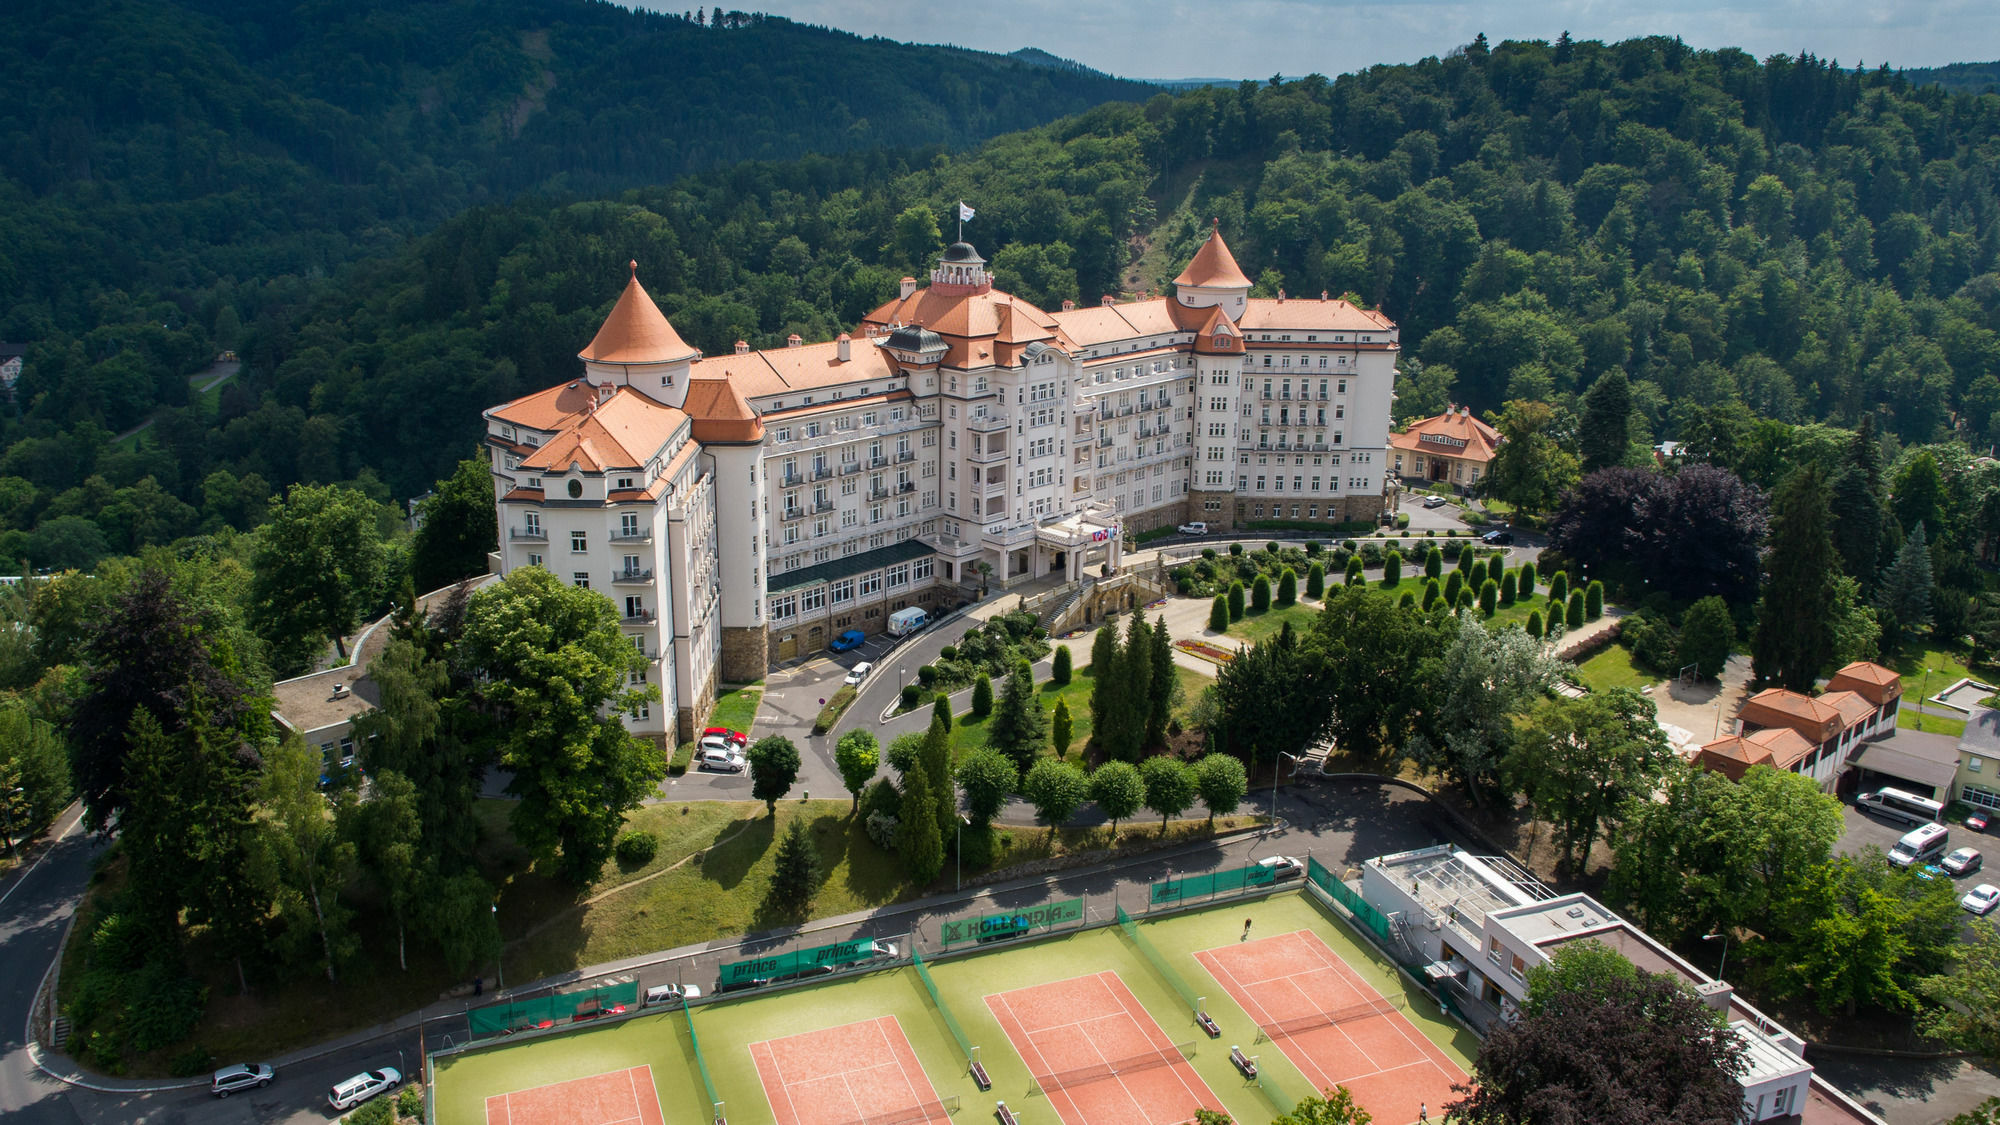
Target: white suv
717, 754
1195, 528
346, 1095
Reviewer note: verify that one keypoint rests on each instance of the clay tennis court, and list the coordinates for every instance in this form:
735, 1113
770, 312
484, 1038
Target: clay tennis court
1334, 1026
1098, 1055
857, 1074
619, 1097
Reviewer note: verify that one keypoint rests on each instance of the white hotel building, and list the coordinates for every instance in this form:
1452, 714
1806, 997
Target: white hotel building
747, 508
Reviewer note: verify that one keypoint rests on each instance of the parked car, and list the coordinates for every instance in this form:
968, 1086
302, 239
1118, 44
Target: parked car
885, 948
735, 737
1981, 899
718, 755
1498, 537
1977, 821
1288, 867
1435, 501
859, 672
671, 994
1196, 528
849, 640
1964, 861
242, 1076
346, 1095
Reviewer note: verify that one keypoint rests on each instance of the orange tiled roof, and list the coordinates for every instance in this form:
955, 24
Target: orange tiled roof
719, 412
1463, 436
1733, 756
1268, 313
1852, 705
1213, 267
624, 432
1872, 682
548, 410
636, 331
1218, 336
1780, 707
804, 368
978, 328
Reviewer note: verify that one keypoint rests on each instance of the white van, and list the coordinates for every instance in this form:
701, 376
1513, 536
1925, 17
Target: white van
1899, 805
1921, 845
906, 621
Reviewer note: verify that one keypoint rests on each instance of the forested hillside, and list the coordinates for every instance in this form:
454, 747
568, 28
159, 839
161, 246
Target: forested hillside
1968, 78
1778, 240
178, 171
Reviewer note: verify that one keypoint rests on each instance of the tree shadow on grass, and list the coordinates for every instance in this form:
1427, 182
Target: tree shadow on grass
728, 862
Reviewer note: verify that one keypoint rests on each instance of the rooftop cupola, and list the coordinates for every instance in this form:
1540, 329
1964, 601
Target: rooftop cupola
960, 272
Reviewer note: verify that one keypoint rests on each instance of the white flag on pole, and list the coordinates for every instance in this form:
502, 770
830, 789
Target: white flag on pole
964, 212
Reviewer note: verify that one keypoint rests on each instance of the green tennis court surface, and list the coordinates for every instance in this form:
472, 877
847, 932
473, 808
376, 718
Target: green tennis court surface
728, 1029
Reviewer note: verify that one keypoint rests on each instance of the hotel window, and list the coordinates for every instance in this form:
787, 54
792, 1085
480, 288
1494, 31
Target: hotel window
580, 578
534, 560
628, 524
579, 542
812, 599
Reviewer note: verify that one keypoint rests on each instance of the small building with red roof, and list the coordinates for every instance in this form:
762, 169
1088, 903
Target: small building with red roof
1453, 449
1815, 736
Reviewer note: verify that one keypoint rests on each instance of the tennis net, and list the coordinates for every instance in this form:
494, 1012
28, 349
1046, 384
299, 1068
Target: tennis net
939, 1111
1299, 1025
1112, 1068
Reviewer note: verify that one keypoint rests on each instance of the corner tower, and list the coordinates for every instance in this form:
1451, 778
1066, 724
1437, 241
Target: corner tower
1213, 279
636, 347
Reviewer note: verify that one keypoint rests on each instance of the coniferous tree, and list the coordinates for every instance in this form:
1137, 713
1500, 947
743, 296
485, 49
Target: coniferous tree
1573, 615
1508, 587
1527, 580
982, 696
1135, 665
1288, 588
1605, 433
1593, 600
1061, 732
1466, 557
1534, 625
1218, 615
1432, 592
940, 779
1489, 596
1019, 727
1060, 669
1260, 594
1316, 581
917, 835
1904, 599
1108, 686
1794, 639
795, 874
1354, 571
1164, 685
1857, 506
1453, 583
941, 709
1434, 562
1236, 601
1392, 569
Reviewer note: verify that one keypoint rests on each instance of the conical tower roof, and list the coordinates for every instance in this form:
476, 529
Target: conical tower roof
1214, 267
636, 331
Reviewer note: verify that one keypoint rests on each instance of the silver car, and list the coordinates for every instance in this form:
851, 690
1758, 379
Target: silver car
346, 1095
242, 1076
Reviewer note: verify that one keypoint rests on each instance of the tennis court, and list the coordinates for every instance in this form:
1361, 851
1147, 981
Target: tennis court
1097, 1054
861, 1073
1334, 1026
619, 1097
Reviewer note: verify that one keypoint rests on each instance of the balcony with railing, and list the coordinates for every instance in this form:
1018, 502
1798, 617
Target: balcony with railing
905, 456
632, 577
878, 493
987, 455
878, 462
790, 514
791, 480
529, 534
907, 486
822, 472
986, 423
821, 507
635, 535
643, 617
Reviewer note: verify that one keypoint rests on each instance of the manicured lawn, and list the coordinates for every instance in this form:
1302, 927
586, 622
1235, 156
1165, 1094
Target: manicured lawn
1612, 668
1911, 719
737, 709
1255, 627
1947, 665
971, 733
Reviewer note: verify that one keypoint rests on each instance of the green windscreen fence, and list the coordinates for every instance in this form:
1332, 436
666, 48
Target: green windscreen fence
1010, 923
1189, 888
1341, 893
1152, 955
700, 1063
778, 966
937, 1001
549, 1011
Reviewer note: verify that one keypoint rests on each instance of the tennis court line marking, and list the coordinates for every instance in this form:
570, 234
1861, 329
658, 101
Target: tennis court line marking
1250, 1000
778, 1068
1173, 1067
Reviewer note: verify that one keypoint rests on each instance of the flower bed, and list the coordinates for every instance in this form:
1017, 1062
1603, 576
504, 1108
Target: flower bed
1213, 653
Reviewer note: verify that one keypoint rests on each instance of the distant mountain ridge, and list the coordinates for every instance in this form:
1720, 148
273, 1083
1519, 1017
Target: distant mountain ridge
1963, 78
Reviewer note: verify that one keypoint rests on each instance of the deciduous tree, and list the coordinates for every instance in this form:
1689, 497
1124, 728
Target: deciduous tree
1170, 787
1222, 783
458, 527
987, 778
1057, 788
318, 567
857, 755
1579, 760
1117, 790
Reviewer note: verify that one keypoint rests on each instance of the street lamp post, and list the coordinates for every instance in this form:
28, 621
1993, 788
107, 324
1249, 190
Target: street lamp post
1724, 939
7, 818
500, 959
1923, 693
960, 849
1277, 768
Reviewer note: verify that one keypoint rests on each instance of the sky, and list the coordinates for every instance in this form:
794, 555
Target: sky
1260, 38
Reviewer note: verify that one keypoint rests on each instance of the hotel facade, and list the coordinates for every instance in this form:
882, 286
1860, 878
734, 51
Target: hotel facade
746, 508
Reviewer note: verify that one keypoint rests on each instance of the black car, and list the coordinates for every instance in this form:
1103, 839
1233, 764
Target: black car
1498, 538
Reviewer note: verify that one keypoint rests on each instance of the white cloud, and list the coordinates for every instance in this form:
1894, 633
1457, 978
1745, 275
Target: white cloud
1259, 38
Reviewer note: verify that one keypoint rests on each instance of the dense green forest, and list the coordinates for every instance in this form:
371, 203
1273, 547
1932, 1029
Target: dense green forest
1969, 78
184, 177
1784, 240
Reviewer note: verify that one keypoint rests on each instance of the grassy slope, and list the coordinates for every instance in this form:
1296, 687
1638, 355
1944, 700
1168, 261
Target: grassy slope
971, 732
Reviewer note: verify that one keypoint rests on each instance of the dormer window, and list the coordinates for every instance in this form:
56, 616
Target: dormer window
625, 482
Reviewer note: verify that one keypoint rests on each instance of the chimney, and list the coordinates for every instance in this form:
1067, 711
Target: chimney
1068, 305
909, 286
1716, 994
793, 341
742, 347
841, 347
1108, 301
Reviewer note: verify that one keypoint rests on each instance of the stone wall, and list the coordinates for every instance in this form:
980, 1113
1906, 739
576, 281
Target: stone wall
691, 718
745, 654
